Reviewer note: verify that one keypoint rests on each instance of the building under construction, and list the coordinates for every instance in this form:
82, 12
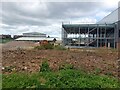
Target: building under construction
105, 33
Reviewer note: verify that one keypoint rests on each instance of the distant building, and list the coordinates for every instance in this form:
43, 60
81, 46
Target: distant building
5, 36
17, 36
35, 36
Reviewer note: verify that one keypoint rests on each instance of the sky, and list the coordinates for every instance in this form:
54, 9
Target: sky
22, 16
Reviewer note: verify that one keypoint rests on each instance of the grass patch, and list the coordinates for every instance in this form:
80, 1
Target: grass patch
59, 47
66, 66
49, 46
44, 67
6, 40
44, 47
65, 78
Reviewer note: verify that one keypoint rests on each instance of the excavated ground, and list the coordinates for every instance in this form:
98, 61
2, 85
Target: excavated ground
101, 61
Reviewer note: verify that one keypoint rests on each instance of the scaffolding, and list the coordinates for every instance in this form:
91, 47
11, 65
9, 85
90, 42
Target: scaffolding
89, 35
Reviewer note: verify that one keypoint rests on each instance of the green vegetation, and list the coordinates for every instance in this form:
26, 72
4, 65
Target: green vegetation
49, 46
62, 79
66, 77
59, 47
44, 67
44, 47
5, 40
66, 66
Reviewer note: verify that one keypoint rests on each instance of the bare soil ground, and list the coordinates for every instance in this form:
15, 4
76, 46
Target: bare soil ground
101, 60
13, 45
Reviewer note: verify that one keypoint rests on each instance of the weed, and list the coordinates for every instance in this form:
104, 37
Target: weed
97, 71
49, 46
9, 68
68, 78
59, 47
44, 67
44, 47
66, 66
109, 73
5, 40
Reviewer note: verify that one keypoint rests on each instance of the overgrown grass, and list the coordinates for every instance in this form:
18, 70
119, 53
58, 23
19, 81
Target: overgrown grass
65, 78
44, 47
5, 40
44, 67
49, 46
59, 47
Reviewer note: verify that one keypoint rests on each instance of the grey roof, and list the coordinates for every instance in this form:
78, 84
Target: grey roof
35, 38
36, 33
111, 18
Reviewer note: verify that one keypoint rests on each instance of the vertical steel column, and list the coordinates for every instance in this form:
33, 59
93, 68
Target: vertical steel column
85, 38
63, 37
105, 35
114, 37
100, 36
79, 36
74, 36
88, 40
70, 37
97, 35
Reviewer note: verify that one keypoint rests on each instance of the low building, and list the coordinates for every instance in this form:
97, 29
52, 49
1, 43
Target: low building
17, 36
5, 36
35, 36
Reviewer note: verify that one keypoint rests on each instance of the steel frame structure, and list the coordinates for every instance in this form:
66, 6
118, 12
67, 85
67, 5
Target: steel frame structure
90, 35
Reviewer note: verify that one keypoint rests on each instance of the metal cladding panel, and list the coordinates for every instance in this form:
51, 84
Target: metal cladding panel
111, 18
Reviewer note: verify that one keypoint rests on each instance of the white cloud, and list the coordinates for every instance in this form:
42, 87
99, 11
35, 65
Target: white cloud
46, 17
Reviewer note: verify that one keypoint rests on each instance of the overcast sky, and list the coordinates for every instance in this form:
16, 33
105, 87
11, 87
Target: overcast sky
47, 17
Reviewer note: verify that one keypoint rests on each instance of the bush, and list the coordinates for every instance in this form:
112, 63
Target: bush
9, 68
59, 47
49, 46
97, 71
44, 47
44, 67
66, 66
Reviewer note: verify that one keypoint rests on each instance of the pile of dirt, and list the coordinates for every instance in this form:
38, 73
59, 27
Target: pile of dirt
102, 62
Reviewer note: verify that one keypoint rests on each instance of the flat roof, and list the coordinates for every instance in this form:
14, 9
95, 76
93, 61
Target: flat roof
87, 25
35, 33
83, 28
35, 39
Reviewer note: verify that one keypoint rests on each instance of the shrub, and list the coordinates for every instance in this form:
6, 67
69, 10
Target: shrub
44, 67
44, 47
109, 73
59, 47
48, 46
9, 68
97, 71
66, 66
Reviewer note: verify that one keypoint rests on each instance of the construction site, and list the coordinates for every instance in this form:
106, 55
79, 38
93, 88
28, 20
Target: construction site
89, 35
89, 55
105, 33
